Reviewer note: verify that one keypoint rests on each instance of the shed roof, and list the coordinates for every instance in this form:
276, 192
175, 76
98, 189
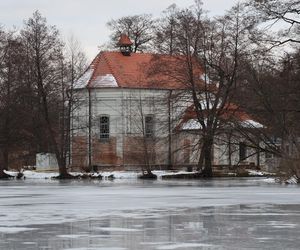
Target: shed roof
231, 112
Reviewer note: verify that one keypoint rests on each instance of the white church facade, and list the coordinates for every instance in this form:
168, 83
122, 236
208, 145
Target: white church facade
125, 118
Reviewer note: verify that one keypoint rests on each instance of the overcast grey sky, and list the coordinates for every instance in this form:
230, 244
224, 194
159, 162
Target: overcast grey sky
86, 19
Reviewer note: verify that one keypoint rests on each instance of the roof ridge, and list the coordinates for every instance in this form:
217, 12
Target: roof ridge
111, 69
93, 66
139, 53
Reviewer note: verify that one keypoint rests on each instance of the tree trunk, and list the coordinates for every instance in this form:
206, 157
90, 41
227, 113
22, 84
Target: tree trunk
207, 170
205, 160
3, 175
5, 154
63, 173
201, 159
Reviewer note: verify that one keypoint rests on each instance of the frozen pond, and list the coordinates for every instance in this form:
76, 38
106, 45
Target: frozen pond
137, 215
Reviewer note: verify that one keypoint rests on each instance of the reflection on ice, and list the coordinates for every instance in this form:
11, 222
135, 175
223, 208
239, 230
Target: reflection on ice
115, 229
222, 214
183, 246
228, 227
11, 230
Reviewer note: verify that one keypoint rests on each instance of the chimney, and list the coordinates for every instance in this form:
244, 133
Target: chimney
125, 45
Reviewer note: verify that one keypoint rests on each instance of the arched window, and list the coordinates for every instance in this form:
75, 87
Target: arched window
149, 126
104, 127
242, 151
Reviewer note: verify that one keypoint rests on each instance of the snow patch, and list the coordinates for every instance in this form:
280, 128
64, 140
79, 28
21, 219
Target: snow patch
73, 236
97, 248
83, 81
251, 124
13, 230
28, 174
116, 229
121, 174
259, 173
292, 180
269, 180
285, 226
177, 173
154, 243
183, 245
107, 80
130, 175
279, 225
191, 125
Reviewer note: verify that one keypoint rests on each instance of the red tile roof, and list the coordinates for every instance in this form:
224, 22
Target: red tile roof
231, 112
140, 70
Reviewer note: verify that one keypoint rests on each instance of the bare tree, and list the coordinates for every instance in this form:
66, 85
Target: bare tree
11, 79
44, 56
207, 62
165, 38
277, 20
139, 28
273, 91
73, 64
144, 133
5, 86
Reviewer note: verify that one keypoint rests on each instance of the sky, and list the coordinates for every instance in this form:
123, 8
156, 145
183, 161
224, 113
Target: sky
86, 19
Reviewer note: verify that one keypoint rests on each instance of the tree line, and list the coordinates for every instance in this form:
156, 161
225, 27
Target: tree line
37, 72
245, 56
250, 54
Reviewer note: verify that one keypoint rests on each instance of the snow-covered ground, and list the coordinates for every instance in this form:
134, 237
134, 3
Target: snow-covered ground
28, 174
140, 215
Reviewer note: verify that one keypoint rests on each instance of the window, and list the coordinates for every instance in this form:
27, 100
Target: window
268, 155
287, 149
104, 127
149, 126
242, 151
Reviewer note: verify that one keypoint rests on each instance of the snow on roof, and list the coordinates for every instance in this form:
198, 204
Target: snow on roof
205, 78
107, 80
251, 124
191, 124
83, 81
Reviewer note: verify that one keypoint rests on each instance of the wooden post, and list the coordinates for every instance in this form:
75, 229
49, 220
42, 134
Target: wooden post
90, 131
170, 130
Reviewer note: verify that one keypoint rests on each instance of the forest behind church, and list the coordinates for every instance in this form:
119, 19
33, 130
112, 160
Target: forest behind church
252, 53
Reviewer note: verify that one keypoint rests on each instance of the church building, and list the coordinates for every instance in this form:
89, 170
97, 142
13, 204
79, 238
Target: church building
126, 116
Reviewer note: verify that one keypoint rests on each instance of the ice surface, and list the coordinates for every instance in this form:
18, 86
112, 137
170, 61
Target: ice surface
149, 215
98, 248
25, 203
72, 236
15, 229
183, 246
116, 229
